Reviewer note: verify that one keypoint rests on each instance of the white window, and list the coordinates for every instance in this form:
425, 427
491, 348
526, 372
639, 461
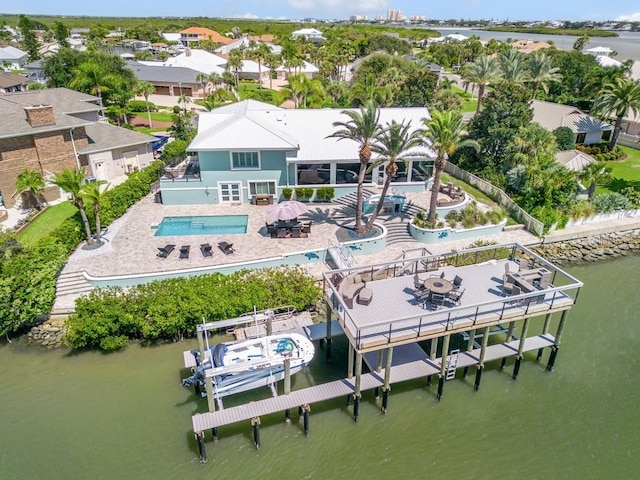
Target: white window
262, 188
245, 161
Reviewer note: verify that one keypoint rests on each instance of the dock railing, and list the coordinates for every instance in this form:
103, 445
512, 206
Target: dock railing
562, 295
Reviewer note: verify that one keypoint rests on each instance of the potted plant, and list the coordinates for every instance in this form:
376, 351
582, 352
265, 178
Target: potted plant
287, 193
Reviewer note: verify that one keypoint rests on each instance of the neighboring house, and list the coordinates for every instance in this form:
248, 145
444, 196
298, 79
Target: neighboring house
34, 72
195, 59
12, 58
308, 69
606, 61
173, 81
48, 130
606, 51
171, 37
587, 129
196, 34
253, 148
12, 83
251, 70
245, 42
309, 33
574, 160
529, 46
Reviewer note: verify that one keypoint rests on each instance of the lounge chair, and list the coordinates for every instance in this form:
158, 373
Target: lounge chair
165, 251
184, 252
227, 248
205, 248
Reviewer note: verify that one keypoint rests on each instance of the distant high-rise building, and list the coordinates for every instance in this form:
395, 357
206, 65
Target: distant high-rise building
394, 15
358, 18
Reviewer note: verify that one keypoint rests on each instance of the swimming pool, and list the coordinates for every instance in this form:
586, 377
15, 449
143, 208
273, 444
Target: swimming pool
202, 225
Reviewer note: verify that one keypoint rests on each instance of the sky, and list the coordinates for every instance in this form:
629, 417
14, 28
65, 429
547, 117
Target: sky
596, 10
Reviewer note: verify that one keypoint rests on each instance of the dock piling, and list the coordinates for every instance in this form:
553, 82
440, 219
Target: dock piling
201, 447
214, 434
255, 426
306, 409
385, 399
287, 376
287, 415
356, 407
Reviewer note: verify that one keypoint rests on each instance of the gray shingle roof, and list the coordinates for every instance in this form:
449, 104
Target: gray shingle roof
163, 74
8, 80
103, 137
13, 121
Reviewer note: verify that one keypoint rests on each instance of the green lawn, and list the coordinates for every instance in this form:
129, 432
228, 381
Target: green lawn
46, 223
469, 103
625, 173
149, 131
159, 116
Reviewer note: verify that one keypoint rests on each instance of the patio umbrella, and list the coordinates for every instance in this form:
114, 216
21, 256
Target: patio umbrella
286, 210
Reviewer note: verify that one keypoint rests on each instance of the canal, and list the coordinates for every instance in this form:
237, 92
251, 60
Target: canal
124, 415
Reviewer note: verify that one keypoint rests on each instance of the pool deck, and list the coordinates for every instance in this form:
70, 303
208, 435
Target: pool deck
130, 245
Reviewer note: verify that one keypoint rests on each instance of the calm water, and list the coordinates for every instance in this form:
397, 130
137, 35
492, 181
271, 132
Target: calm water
627, 44
124, 415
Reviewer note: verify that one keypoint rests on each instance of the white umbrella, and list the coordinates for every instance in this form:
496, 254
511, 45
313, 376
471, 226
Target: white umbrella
286, 210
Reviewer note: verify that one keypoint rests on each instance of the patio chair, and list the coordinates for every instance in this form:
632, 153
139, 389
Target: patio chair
282, 233
455, 296
184, 252
271, 229
227, 248
417, 283
457, 281
296, 232
165, 251
524, 264
205, 248
507, 283
437, 299
306, 227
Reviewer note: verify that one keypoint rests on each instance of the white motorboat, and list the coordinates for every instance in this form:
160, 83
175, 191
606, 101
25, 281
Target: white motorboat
248, 364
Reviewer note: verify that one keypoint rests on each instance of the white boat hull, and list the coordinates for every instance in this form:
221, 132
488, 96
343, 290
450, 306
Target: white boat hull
237, 367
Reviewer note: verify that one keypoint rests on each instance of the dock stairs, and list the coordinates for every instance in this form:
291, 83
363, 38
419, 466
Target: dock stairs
69, 286
452, 364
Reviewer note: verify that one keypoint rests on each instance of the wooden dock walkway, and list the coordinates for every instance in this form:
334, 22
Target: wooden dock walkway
399, 373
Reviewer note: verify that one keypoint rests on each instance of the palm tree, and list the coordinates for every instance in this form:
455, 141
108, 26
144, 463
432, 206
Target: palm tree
362, 128
369, 91
31, 181
71, 181
89, 76
145, 89
260, 53
482, 72
215, 79
594, 173
272, 61
299, 87
234, 61
541, 72
619, 98
513, 66
392, 145
94, 195
443, 134
203, 79
184, 101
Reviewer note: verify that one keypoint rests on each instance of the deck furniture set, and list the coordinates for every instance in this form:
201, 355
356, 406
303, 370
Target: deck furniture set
290, 229
353, 286
436, 290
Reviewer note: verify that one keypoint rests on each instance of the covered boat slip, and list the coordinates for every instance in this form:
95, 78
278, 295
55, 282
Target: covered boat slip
396, 316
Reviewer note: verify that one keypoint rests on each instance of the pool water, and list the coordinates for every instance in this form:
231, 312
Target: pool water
202, 225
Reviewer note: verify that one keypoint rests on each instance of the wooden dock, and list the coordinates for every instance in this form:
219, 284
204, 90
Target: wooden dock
319, 393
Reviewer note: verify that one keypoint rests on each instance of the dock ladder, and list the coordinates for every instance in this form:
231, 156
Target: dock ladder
452, 364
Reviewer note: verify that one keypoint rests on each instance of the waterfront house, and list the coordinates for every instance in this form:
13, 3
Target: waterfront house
252, 148
586, 129
193, 35
49, 130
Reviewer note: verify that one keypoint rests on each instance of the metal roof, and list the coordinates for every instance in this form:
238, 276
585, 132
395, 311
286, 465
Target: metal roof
553, 115
261, 126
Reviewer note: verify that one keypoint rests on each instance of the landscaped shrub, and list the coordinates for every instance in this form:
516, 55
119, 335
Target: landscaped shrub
581, 209
171, 308
564, 138
287, 193
610, 202
28, 284
140, 106
304, 193
325, 194
633, 195
175, 149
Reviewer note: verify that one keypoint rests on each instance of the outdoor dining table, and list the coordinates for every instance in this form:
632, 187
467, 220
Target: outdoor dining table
438, 285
